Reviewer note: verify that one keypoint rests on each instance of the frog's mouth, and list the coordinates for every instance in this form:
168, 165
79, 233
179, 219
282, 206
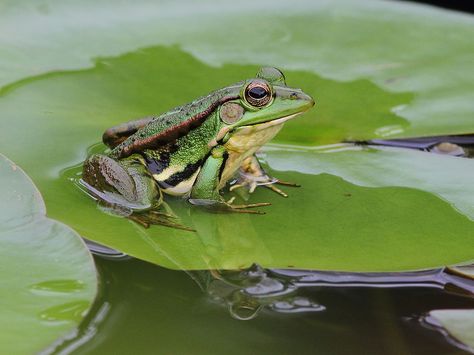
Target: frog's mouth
263, 125
251, 128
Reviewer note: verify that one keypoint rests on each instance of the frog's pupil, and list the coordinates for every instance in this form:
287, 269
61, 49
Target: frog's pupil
257, 93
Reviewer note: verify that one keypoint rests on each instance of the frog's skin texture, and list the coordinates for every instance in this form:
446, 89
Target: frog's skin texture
195, 149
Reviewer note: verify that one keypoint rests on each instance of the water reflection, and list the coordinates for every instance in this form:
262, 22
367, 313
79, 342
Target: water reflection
249, 291
285, 311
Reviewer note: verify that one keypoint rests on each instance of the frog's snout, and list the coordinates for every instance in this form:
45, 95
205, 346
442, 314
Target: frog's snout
305, 102
306, 99
295, 98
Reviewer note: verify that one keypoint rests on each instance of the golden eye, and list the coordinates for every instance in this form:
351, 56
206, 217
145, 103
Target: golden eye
258, 93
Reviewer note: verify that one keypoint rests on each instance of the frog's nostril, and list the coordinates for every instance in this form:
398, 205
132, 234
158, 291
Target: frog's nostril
293, 96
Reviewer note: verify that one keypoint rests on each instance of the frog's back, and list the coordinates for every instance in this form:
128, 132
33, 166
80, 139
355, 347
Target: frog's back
175, 145
174, 124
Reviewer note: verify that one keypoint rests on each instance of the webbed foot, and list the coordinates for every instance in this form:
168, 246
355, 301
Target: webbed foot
148, 218
251, 175
227, 206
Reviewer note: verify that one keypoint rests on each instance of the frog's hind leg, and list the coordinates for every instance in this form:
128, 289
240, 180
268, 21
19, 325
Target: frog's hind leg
251, 175
126, 182
117, 134
126, 188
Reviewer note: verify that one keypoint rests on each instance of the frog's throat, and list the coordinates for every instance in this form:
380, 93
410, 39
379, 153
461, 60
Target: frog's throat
256, 127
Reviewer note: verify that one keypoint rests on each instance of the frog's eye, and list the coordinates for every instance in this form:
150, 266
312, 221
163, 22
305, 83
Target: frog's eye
258, 93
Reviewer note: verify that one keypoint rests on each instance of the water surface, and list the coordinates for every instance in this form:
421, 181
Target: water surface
146, 309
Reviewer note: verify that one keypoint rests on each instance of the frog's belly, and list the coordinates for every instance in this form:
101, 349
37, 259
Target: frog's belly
180, 189
244, 143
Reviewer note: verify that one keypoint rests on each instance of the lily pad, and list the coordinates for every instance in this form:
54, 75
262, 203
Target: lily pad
459, 323
333, 222
48, 276
361, 210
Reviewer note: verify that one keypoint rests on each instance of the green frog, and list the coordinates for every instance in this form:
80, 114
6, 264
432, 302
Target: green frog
194, 150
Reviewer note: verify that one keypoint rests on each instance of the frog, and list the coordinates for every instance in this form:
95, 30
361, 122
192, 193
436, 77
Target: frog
195, 150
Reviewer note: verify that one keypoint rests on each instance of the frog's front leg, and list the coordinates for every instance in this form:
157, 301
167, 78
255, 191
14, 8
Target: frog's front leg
205, 191
251, 175
126, 185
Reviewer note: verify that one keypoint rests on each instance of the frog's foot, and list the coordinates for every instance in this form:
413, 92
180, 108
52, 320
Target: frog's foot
227, 206
251, 184
276, 181
144, 218
244, 208
152, 217
251, 175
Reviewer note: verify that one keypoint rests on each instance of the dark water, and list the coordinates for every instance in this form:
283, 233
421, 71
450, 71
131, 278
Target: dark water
146, 309
459, 5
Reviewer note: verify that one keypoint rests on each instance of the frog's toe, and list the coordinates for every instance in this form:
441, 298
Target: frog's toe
285, 183
250, 205
251, 175
250, 185
223, 206
276, 189
148, 218
163, 214
251, 182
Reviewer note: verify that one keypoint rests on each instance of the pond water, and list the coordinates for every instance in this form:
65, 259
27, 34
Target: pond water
147, 309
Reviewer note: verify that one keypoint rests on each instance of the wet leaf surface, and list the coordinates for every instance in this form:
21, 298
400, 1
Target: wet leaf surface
358, 210
48, 276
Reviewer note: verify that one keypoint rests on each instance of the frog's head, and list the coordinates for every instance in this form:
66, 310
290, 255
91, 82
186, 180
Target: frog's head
264, 99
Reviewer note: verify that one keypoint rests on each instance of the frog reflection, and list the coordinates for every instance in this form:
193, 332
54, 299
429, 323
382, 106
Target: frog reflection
247, 292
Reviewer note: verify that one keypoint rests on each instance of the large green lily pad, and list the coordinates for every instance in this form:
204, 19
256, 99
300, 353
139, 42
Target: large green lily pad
358, 210
329, 223
48, 276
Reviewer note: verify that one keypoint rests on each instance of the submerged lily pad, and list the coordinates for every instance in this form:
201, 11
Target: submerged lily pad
459, 323
48, 276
